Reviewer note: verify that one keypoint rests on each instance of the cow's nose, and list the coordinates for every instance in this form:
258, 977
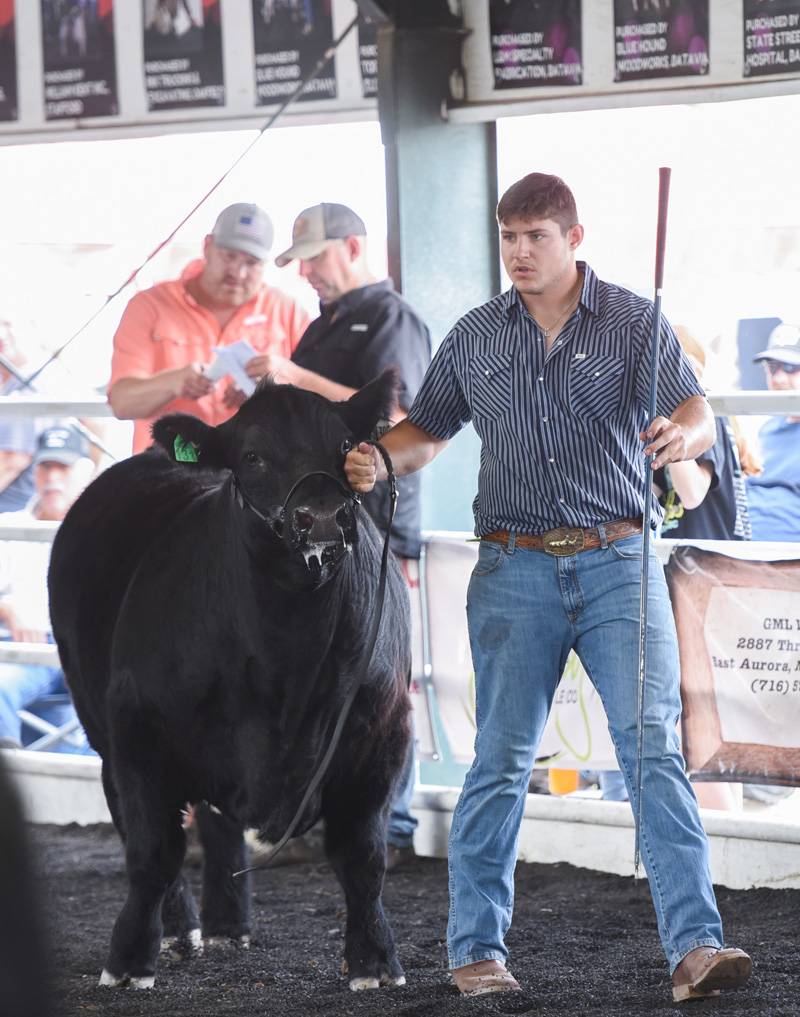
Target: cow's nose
302, 521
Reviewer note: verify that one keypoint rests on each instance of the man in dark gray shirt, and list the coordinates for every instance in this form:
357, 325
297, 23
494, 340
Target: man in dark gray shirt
364, 326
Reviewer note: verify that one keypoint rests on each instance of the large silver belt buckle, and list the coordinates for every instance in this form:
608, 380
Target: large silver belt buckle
563, 541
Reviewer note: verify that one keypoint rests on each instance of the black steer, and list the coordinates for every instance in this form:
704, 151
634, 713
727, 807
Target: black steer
211, 617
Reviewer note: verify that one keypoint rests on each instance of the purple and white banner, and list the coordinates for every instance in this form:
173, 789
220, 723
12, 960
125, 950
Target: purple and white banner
290, 37
8, 62
771, 37
183, 54
660, 38
368, 57
536, 43
80, 71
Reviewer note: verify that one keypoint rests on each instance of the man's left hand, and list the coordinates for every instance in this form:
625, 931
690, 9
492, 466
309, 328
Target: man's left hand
278, 367
666, 440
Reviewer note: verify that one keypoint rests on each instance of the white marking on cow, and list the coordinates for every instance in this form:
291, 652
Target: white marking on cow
313, 551
359, 984
142, 982
227, 943
178, 947
126, 981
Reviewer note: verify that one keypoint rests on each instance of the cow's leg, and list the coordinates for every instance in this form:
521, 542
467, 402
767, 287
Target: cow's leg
181, 921
226, 901
356, 846
154, 849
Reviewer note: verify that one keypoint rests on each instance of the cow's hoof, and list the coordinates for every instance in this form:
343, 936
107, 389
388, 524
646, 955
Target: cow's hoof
357, 984
126, 981
368, 982
228, 942
178, 948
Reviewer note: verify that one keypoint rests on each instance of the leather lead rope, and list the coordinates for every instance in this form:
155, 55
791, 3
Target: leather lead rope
361, 668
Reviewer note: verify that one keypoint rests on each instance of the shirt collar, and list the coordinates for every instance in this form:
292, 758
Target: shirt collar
350, 301
589, 298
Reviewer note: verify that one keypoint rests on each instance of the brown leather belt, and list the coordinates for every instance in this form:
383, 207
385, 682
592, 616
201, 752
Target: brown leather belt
566, 540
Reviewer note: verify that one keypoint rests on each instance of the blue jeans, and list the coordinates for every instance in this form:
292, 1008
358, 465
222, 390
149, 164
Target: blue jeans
402, 824
526, 610
20, 686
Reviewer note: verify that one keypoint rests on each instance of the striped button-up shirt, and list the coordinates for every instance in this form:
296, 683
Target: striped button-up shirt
559, 430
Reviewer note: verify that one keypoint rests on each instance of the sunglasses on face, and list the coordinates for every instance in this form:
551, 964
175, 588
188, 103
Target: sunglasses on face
773, 366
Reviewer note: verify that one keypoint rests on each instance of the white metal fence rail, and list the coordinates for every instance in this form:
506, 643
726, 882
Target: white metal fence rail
723, 404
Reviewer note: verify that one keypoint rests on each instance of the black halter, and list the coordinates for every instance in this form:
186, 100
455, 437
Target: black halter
366, 655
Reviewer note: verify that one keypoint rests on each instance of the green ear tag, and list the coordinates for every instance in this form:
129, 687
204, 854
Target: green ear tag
185, 451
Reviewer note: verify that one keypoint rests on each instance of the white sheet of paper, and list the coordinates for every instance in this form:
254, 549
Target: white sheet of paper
231, 360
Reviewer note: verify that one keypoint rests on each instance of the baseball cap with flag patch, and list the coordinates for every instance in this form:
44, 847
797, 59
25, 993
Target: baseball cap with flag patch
318, 227
244, 227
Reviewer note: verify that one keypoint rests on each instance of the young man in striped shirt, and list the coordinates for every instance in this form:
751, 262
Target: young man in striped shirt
554, 375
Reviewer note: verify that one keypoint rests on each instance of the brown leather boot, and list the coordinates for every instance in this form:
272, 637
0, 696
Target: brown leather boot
706, 970
483, 977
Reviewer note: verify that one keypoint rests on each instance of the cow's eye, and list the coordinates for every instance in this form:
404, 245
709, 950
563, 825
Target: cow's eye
251, 458
345, 447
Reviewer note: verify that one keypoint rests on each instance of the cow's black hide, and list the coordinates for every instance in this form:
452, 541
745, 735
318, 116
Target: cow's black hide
210, 618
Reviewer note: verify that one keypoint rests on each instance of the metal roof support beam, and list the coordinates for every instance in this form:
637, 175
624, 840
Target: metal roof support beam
441, 183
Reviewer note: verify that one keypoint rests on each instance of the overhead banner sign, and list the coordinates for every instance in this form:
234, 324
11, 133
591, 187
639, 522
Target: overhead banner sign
290, 37
183, 54
80, 73
8, 62
662, 40
536, 44
368, 57
771, 37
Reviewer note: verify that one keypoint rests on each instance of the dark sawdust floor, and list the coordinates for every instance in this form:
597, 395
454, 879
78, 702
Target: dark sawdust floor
582, 943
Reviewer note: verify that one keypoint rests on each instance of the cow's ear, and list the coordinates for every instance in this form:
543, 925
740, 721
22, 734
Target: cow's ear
188, 439
375, 401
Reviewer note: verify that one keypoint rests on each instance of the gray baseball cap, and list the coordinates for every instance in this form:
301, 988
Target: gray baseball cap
60, 445
317, 227
783, 345
244, 227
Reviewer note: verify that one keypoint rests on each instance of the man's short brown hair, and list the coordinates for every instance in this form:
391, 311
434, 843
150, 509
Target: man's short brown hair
539, 196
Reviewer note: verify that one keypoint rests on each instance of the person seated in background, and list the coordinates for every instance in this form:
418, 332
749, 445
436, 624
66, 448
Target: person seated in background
62, 469
774, 495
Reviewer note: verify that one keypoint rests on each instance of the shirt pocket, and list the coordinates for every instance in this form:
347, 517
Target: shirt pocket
492, 384
175, 348
595, 386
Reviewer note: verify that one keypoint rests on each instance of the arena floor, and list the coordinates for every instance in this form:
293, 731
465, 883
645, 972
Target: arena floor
583, 944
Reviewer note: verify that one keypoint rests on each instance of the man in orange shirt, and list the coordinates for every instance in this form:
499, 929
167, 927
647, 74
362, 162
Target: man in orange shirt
166, 337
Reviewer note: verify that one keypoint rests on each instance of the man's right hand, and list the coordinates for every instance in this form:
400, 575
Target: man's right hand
363, 466
191, 383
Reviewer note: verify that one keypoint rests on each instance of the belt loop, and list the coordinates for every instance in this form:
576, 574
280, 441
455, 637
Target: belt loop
601, 530
512, 541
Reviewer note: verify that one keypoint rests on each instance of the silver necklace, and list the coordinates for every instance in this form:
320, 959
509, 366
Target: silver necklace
546, 331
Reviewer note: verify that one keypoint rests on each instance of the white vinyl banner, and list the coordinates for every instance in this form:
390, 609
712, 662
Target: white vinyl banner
737, 612
576, 735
